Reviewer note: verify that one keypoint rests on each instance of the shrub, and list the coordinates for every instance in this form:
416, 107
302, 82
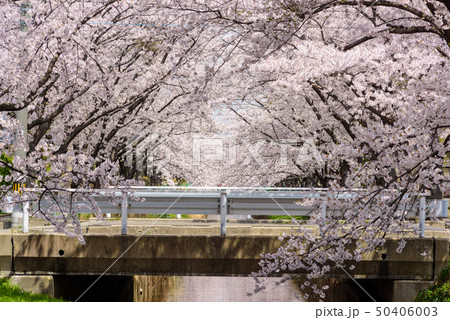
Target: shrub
10, 293
440, 291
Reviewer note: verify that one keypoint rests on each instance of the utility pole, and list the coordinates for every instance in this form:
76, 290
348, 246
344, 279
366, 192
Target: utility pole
18, 214
22, 114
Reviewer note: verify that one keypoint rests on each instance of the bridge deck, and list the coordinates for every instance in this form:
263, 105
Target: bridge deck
196, 255
148, 226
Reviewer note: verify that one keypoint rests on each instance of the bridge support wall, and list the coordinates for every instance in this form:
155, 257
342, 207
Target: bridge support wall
5, 255
407, 290
35, 284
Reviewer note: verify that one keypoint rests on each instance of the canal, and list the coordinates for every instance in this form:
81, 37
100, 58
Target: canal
209, 289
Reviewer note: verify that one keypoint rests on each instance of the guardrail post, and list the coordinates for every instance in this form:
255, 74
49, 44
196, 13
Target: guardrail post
16, 215
444, 209
26, 205
323, 215
422, 204
124, 205
223, 213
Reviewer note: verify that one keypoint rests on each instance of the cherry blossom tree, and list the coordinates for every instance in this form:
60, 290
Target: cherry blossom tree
347, 95
95, 77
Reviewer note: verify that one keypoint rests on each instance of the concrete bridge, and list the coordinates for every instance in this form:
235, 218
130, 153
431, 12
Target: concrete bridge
52, 254
60, 266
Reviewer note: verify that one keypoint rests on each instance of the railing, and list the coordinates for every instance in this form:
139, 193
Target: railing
225, 202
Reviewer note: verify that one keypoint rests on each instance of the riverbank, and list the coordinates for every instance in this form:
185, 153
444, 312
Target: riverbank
440, 291
12, 293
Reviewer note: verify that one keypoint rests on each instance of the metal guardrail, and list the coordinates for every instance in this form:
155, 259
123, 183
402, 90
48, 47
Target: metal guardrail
225, 202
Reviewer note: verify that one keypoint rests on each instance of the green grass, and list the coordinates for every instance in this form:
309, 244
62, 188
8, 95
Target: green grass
10, 293
166, 216
288, 217
440, 291
87, 216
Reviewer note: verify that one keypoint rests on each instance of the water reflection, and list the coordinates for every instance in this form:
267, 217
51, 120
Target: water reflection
213, 289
